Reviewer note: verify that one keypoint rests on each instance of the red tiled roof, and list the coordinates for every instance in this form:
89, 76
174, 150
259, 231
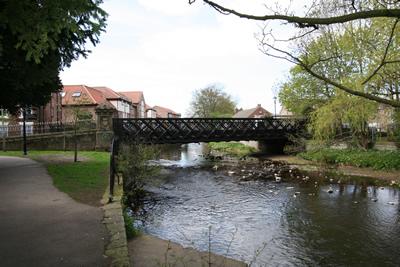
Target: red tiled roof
163, 112
88, 95
134, 96
111, 94
107, 92
248, 113
147, 107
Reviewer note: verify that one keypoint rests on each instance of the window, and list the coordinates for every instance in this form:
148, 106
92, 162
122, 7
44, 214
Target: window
29, 128
76, 94
3, 130
62, 94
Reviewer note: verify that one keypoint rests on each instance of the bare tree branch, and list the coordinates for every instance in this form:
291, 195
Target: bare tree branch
383, 61
304, 22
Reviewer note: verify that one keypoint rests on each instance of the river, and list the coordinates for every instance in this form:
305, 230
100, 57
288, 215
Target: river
266, 223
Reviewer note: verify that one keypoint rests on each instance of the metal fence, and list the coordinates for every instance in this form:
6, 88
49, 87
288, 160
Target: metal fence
189, 130
16, 130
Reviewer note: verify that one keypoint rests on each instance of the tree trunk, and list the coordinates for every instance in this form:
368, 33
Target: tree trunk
75, 144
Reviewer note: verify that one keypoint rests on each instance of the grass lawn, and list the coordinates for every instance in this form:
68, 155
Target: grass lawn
232, 148
85, 181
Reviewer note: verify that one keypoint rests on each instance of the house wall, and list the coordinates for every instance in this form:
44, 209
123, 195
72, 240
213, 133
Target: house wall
122, 107
173, 115
52, 111
133, 111
151, 113
68, 112
141, 109
260, 113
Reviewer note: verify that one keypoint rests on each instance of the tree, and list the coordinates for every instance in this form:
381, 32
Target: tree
81, 119
330, 19
303, 94
25, 83
212, 101
342, 115
37, 40
330, 108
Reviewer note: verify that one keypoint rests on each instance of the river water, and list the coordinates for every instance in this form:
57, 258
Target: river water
273, 224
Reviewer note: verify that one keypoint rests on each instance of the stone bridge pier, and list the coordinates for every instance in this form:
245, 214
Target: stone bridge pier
272, 146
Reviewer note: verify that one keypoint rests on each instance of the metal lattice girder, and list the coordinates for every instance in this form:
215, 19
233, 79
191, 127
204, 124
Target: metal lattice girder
191, 130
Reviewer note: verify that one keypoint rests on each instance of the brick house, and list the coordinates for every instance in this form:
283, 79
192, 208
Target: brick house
257, 112
121, 103
137, 100
83, 97
162, 112
150, 112
11, 125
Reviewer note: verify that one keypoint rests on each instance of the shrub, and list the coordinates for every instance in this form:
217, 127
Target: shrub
130, 229
133, 164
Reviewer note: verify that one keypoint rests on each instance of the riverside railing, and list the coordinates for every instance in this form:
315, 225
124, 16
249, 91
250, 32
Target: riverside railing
33, 128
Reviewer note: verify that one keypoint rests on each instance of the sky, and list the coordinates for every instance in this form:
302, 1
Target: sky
168, 49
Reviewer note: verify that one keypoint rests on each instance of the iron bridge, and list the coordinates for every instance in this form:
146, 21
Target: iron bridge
194, 130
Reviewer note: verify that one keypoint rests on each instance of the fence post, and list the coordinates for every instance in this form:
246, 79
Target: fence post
113, 172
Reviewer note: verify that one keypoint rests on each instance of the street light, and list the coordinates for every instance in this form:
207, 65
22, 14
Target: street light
24, 130
275, 105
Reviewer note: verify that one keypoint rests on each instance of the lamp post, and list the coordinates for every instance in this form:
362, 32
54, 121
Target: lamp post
24, 130
275, 105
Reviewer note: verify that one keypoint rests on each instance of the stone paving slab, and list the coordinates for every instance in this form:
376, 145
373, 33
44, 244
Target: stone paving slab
117, 248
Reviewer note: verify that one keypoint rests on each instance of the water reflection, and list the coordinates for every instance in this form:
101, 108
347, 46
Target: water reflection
293, 224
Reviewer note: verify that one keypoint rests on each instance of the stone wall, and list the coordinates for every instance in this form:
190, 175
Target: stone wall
87, 140
93, 139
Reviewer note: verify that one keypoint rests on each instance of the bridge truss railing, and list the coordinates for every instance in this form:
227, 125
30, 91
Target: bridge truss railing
188, 130
194, 130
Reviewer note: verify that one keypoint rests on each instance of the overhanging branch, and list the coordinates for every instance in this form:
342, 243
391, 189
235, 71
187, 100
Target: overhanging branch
304, 22
389, 102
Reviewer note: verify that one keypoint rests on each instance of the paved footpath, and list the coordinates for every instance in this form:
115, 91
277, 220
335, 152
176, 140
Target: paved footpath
41, 226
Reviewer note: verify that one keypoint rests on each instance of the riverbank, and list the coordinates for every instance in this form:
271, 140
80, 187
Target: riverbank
307, 165
378, 167
376, 159
150, 251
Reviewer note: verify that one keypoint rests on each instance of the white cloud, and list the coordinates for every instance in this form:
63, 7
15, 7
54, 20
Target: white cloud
169, 7
168, 51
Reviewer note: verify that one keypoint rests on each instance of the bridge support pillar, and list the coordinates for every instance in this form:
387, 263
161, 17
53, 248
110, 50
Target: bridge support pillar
271, 146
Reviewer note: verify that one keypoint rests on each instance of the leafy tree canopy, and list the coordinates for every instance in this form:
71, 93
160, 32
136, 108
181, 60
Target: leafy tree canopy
212, 102
352, 62
37, 40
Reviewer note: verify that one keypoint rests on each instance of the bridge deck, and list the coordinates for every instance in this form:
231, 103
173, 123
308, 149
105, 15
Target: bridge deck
192, 130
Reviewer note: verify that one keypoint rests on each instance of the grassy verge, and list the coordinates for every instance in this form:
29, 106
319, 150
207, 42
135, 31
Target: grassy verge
234, 149
85, 181
379, 160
